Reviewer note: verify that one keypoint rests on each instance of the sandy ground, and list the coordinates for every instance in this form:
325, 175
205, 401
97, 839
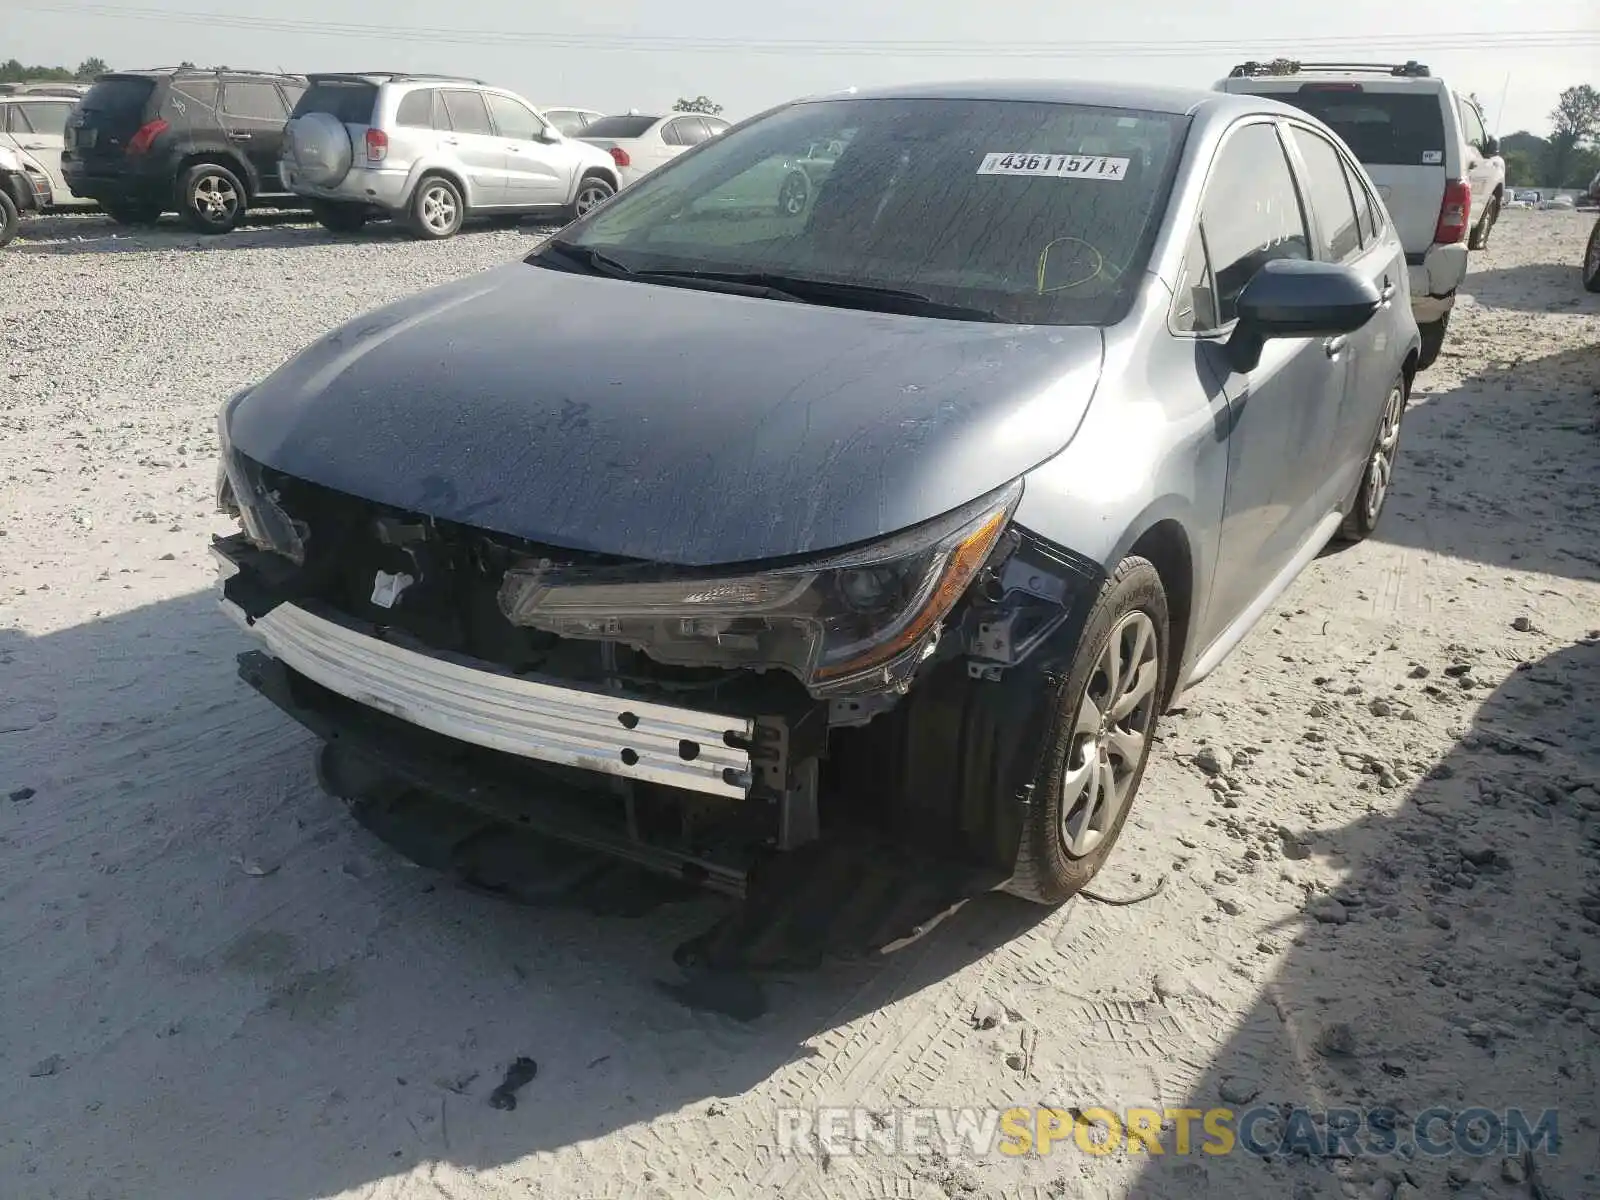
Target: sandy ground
1379, 824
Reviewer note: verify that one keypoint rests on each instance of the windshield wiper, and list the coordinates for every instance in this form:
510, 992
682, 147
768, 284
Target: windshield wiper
846, 295
598, 261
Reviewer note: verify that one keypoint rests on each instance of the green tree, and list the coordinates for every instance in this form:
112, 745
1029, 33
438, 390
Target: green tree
1576, 120
90, 67
1521, 169
700, 104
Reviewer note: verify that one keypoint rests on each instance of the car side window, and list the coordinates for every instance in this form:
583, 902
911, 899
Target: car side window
1367, 217
512, 119
686, 131
190, 100
468, 113
1471, 124
252, 101
567, 121
1251, 214
292, 91
40, 117
1328, 195
716, 126
16, 120
1194, 307
416, 109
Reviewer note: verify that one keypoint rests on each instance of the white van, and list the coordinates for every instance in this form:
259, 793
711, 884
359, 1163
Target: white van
1426, 148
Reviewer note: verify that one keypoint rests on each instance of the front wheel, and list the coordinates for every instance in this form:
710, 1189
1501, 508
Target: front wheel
592, 193
9, 218
795, 194
1591, 260
211, 198
1363, 516
1105, 719
437, 209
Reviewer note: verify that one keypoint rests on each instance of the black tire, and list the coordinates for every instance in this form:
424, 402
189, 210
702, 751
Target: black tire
211, 199
593, 191
1432, 341
339, 218
1479, 239
436, 210
794, 194
10, 220
1591, 260
1047, 870
1377, 476
132, 214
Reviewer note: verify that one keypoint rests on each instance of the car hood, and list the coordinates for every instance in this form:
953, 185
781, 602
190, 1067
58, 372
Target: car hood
663, 423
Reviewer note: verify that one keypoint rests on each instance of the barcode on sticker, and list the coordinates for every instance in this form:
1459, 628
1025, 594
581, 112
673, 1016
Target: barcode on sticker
1059, 166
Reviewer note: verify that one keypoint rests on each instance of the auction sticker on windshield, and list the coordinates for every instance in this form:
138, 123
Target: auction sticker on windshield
1060, 166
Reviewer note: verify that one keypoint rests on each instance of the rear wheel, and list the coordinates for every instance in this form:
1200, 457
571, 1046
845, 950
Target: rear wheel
339, 218
1432, 341
127, 213
9, 219
437, 209
1591, 260
1105, 720
794, 194
1480, 232
1363, 516
211, 198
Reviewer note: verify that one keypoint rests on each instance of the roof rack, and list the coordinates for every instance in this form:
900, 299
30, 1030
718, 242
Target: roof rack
1410, 69
401, 76
201, 71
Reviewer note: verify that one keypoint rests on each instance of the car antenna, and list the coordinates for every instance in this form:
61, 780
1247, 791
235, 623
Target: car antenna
1501, 114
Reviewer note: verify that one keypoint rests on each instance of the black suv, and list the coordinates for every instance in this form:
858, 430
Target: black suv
202, 142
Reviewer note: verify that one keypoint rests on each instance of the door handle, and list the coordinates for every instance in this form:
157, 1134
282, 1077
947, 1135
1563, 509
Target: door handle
240, 137
1332, 346
450, 141
34, 146
1387, 294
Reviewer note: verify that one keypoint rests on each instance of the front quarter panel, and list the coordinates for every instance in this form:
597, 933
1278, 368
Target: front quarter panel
1152, 448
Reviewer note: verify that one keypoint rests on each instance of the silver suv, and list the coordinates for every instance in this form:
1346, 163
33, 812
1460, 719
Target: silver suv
433, 151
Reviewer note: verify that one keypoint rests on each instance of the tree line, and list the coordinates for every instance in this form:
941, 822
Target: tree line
14, 71
1570, 156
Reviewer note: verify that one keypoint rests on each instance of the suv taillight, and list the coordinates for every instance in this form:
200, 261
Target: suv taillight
1454, 212
620, 157
147, 133
377, 145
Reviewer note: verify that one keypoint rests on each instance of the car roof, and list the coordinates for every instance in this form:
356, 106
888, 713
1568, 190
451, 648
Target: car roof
173, 72
1149, 97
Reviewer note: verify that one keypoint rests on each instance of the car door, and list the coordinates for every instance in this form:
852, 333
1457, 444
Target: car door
253, 114
1346, 232
38, 128
539, 172
1251, 214
1480, 171
477, 149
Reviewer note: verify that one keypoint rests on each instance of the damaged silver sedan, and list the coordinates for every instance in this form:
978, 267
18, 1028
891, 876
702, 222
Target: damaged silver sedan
714, 530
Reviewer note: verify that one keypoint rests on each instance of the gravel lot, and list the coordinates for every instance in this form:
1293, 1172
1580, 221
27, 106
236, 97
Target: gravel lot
1379, 824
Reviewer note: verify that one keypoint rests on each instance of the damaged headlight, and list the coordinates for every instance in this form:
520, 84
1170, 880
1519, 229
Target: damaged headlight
244, 495
856, 621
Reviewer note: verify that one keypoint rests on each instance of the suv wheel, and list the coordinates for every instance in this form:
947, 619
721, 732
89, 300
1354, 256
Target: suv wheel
1105, 718
1591, 260
795, 194
339, 218
9, 220
1479, 240
132, 214
211, 198
593, 191
437, 209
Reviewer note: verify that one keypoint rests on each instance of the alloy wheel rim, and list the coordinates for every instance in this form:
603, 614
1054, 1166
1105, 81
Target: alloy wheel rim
1380, 470
592, 196
438, 209
1110, 735
215, 198
793, 199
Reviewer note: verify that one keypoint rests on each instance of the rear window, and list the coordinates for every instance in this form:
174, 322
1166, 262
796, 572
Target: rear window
350, 100
124, 96
1392, 129
619, 127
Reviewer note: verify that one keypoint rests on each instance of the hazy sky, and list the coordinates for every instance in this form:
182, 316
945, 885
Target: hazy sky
620, 54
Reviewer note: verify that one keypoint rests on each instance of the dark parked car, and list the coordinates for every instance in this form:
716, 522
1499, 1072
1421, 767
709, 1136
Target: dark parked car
203, 143
602, 542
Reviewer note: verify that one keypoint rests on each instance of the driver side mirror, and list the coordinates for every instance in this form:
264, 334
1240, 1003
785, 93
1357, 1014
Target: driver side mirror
1297, 298
1490, 147
548, 134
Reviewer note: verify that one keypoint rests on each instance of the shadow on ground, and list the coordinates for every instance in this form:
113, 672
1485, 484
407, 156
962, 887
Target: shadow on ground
217, 983
1487, 470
